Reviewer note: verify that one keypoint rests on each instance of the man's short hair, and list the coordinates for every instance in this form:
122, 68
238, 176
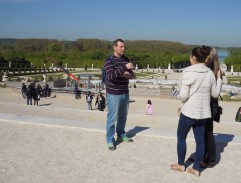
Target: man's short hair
115, 43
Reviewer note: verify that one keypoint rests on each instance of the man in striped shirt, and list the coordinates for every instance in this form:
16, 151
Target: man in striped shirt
118, 72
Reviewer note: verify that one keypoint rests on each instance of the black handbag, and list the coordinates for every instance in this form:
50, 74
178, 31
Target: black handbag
216, 110
238, 115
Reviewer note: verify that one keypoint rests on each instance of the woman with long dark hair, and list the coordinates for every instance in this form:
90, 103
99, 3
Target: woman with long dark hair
198, 84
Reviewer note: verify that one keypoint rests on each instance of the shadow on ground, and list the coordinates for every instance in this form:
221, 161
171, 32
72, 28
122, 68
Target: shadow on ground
131, 133
45, 104
222, 141
137, 129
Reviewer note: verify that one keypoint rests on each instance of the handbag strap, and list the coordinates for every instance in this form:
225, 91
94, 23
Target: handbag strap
220, 97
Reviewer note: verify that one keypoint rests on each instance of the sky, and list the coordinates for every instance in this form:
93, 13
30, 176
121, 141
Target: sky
191, 22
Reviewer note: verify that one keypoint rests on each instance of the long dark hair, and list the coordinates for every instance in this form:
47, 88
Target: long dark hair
201, 53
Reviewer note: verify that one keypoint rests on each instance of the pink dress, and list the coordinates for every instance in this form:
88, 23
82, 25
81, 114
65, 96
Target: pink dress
149, 109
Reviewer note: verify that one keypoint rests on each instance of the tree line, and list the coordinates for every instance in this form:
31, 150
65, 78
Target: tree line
234, 59
85, 52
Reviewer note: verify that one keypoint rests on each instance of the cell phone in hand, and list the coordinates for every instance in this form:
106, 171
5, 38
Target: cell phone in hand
175, 92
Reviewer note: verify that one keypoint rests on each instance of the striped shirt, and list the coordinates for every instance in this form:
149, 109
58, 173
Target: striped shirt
115, 67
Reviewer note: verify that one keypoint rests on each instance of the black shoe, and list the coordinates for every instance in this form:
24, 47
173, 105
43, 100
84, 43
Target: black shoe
211, 164
191, 159
203, 165
207, 165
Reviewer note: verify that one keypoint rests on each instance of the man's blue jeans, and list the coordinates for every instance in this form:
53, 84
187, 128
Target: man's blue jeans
29, 100
117, 113
184, 126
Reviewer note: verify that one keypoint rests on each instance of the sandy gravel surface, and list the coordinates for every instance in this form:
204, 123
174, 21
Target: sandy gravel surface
38, 152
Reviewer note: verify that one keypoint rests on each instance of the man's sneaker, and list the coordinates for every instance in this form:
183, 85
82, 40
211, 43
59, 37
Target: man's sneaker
124, 139
111, 146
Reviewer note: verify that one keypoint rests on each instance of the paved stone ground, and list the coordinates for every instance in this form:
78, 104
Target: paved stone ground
61, 141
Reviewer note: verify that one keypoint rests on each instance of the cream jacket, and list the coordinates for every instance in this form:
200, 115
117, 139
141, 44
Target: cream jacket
197, 85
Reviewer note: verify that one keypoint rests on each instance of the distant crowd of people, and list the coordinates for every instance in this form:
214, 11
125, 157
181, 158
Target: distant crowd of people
100, 102
33, 93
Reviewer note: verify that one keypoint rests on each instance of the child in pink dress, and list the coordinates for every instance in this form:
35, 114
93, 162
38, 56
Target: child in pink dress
149, 108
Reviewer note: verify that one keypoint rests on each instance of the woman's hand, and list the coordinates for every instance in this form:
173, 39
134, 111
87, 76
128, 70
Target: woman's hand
219, 73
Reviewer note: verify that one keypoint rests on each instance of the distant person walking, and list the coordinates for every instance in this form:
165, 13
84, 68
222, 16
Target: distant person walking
77, 92
46, 90
29, 94
36, 96
24, 90
118, 72
198, 84
149, 108
39, 91
89, 98
100, 101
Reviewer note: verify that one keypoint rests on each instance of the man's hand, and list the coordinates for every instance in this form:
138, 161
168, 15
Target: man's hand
127, 75
129, 65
